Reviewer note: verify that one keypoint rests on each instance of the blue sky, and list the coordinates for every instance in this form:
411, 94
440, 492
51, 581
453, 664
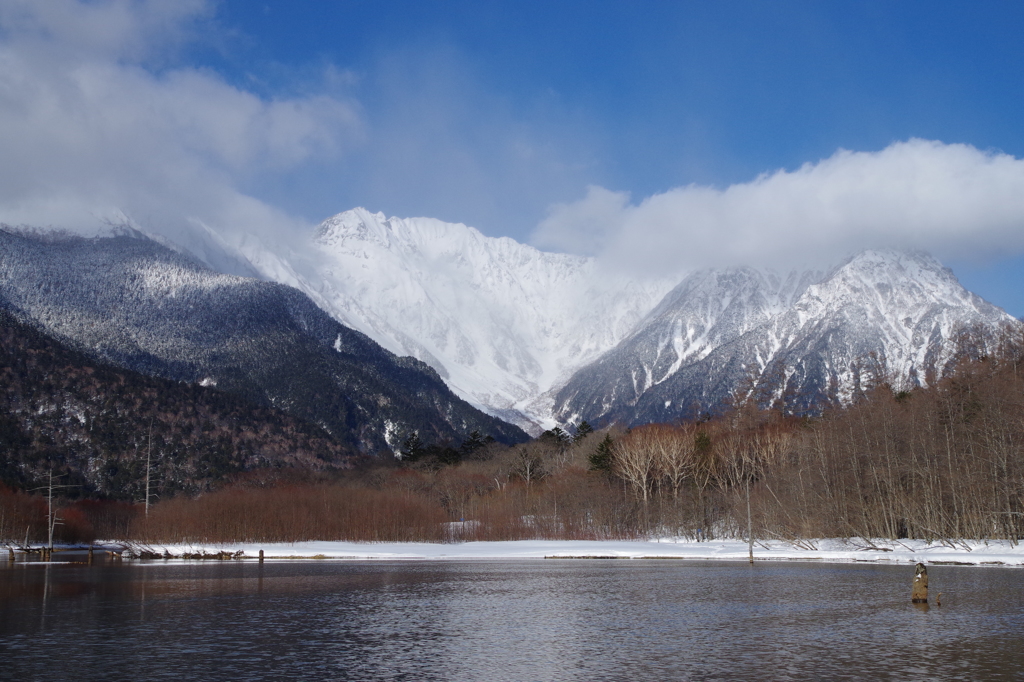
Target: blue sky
645, 97
528, 119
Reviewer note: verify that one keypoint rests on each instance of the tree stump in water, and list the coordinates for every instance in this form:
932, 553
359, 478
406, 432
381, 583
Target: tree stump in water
919, 594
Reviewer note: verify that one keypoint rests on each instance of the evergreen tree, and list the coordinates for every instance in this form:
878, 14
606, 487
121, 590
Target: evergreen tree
702, 442
601, 458
412, 448
556, 436
582, 431
472, 444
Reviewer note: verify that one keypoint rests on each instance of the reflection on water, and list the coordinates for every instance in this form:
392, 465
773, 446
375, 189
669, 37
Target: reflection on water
524, 620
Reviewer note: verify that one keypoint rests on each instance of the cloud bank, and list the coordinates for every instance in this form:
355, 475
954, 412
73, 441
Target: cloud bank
98, 125
103, 118
953, 200
102, 122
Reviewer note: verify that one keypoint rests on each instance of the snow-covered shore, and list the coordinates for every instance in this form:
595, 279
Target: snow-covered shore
831, 550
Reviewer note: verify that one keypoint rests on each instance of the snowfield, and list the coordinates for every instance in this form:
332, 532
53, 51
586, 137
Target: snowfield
994, 553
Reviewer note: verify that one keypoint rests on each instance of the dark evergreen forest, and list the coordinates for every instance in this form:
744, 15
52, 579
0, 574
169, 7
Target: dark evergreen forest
94, 425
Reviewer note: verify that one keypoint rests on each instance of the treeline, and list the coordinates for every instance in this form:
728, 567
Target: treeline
944, 463
24, 519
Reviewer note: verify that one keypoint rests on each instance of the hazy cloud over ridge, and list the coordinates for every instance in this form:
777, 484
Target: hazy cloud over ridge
102, 117
952, 200
95, 126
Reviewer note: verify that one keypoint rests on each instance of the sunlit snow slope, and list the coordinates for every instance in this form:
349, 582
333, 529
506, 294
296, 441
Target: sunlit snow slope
500, 321
799, 342
541, 338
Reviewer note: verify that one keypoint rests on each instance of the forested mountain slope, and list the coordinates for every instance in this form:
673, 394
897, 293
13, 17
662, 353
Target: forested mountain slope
137, 304
94, 425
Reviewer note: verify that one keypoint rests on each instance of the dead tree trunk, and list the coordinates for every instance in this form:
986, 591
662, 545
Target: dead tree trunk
919, 593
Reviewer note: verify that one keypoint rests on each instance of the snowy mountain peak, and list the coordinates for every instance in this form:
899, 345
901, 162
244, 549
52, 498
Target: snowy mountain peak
538, 338
899, 293
356, 225
501, 321
432, 238
893, 315
886, 271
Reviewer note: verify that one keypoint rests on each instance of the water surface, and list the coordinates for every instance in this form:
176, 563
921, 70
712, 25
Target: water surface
493, 620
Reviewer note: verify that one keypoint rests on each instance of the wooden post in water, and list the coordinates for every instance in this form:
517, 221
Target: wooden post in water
919, 594
51, 516
261, 556
90, 555
750, 526
149, 452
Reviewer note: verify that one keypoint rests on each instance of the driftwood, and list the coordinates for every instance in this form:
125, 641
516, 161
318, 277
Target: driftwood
919, 593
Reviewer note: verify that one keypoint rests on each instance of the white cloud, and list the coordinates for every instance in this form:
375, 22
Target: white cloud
94, 124
98, 120
952, 200
584, 227
133, 30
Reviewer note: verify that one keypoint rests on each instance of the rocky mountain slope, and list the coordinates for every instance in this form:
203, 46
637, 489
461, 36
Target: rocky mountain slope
540, 338
137, 304
799, 342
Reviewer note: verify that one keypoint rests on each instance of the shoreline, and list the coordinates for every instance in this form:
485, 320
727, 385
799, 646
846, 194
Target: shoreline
838, 550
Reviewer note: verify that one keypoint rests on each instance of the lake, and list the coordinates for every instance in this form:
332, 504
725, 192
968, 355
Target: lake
507, 620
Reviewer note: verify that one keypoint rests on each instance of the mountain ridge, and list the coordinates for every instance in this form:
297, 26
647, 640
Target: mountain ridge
515, 330
880, 316
135, 303
501, 321
541, 339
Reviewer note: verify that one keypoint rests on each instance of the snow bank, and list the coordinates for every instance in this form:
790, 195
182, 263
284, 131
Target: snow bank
833, 550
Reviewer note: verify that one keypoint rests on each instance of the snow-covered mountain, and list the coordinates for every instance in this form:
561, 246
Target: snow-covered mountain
541, 338
131, 302
806, 339
500, 321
